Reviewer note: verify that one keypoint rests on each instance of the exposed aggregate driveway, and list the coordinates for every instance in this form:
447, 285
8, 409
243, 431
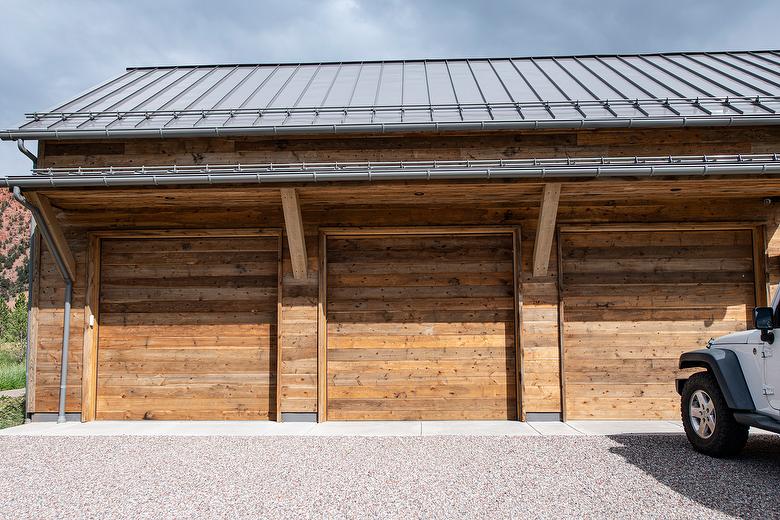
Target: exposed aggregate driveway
626, 476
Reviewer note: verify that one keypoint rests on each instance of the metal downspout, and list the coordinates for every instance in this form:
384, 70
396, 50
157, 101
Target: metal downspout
30, 278
41, 224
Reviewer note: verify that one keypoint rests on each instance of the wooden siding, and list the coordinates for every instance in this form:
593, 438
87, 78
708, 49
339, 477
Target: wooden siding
187, 328
634, 301
45, 363
298, 334
421, 327
298, 381
590, 143
503, 203
541, 382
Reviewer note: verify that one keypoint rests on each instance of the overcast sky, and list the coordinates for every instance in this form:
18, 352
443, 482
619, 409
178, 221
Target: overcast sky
52, 50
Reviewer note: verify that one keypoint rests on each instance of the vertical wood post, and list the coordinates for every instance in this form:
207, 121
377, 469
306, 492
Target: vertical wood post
561, 326
322, 328
279, 336
517, 270
90, 346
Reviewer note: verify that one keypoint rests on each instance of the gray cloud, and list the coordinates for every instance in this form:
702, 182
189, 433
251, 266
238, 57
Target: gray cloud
52, 49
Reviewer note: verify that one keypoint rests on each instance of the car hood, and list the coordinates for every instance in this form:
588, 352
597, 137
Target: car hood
740, 337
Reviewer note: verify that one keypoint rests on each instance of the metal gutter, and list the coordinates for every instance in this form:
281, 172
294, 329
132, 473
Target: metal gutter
387, 128
753, 164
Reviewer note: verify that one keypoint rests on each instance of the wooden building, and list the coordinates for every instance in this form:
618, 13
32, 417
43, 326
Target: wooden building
509, 239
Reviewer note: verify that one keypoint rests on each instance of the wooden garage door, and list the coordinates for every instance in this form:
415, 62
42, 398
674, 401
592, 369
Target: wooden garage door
187, 328
421, 327
634, 301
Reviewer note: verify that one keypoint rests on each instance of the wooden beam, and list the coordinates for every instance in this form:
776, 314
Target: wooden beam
57, 236
545, 229
295, 237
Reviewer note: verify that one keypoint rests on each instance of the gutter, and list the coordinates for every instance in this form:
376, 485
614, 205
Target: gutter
30, 279
702, 166
386, 128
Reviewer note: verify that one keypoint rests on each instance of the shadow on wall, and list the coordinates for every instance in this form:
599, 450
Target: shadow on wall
724, 485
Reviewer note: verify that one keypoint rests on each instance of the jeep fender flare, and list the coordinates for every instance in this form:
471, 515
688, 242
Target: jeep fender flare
725, 366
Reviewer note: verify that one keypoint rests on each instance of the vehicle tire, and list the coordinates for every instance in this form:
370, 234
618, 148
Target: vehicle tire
708, 422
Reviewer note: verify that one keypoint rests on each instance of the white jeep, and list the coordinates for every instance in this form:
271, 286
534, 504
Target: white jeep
740, 387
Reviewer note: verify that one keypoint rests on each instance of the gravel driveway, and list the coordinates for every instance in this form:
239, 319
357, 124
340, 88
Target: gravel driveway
654, 476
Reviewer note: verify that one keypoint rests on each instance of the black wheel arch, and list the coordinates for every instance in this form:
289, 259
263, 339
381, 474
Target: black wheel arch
724, 365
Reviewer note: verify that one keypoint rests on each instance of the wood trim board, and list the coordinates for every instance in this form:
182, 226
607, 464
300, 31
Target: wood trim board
322, 327
91, 320
279, 286
517, 269
561, 323
33, 323
660, 226
760, 264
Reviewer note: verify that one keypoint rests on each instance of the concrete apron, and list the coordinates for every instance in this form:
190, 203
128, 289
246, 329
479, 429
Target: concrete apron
338, 428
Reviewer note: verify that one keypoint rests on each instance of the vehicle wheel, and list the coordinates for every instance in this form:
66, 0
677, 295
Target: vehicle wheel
708, 422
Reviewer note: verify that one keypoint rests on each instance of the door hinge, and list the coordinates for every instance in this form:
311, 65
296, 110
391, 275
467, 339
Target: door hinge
767, 352
769, 390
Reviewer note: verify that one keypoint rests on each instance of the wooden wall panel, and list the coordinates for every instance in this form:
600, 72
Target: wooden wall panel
421, 327
392, 204
541, 360
48, 338
297, 378
188, 328
504, 145
634, 301
298, 373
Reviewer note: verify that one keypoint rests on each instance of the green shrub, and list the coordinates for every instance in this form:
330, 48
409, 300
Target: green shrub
13, 339
11, 411
12, 376
13, 322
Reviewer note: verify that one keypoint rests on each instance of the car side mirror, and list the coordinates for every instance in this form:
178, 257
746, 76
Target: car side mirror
763, 320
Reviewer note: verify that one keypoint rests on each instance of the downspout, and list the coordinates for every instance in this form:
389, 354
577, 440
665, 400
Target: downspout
41, 224
30, 278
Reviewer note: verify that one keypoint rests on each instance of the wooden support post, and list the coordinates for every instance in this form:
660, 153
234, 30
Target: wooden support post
57, 236
546, 227
294, 227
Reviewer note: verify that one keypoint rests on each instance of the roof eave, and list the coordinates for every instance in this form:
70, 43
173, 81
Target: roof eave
384, 128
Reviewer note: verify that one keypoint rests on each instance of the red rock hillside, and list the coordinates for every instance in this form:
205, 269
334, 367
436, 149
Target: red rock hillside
14, 246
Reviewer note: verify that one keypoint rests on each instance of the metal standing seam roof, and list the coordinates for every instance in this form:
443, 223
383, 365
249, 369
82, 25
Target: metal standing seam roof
673, 89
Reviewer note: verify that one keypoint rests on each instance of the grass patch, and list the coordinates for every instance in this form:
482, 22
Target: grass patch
11, 411
12, 372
